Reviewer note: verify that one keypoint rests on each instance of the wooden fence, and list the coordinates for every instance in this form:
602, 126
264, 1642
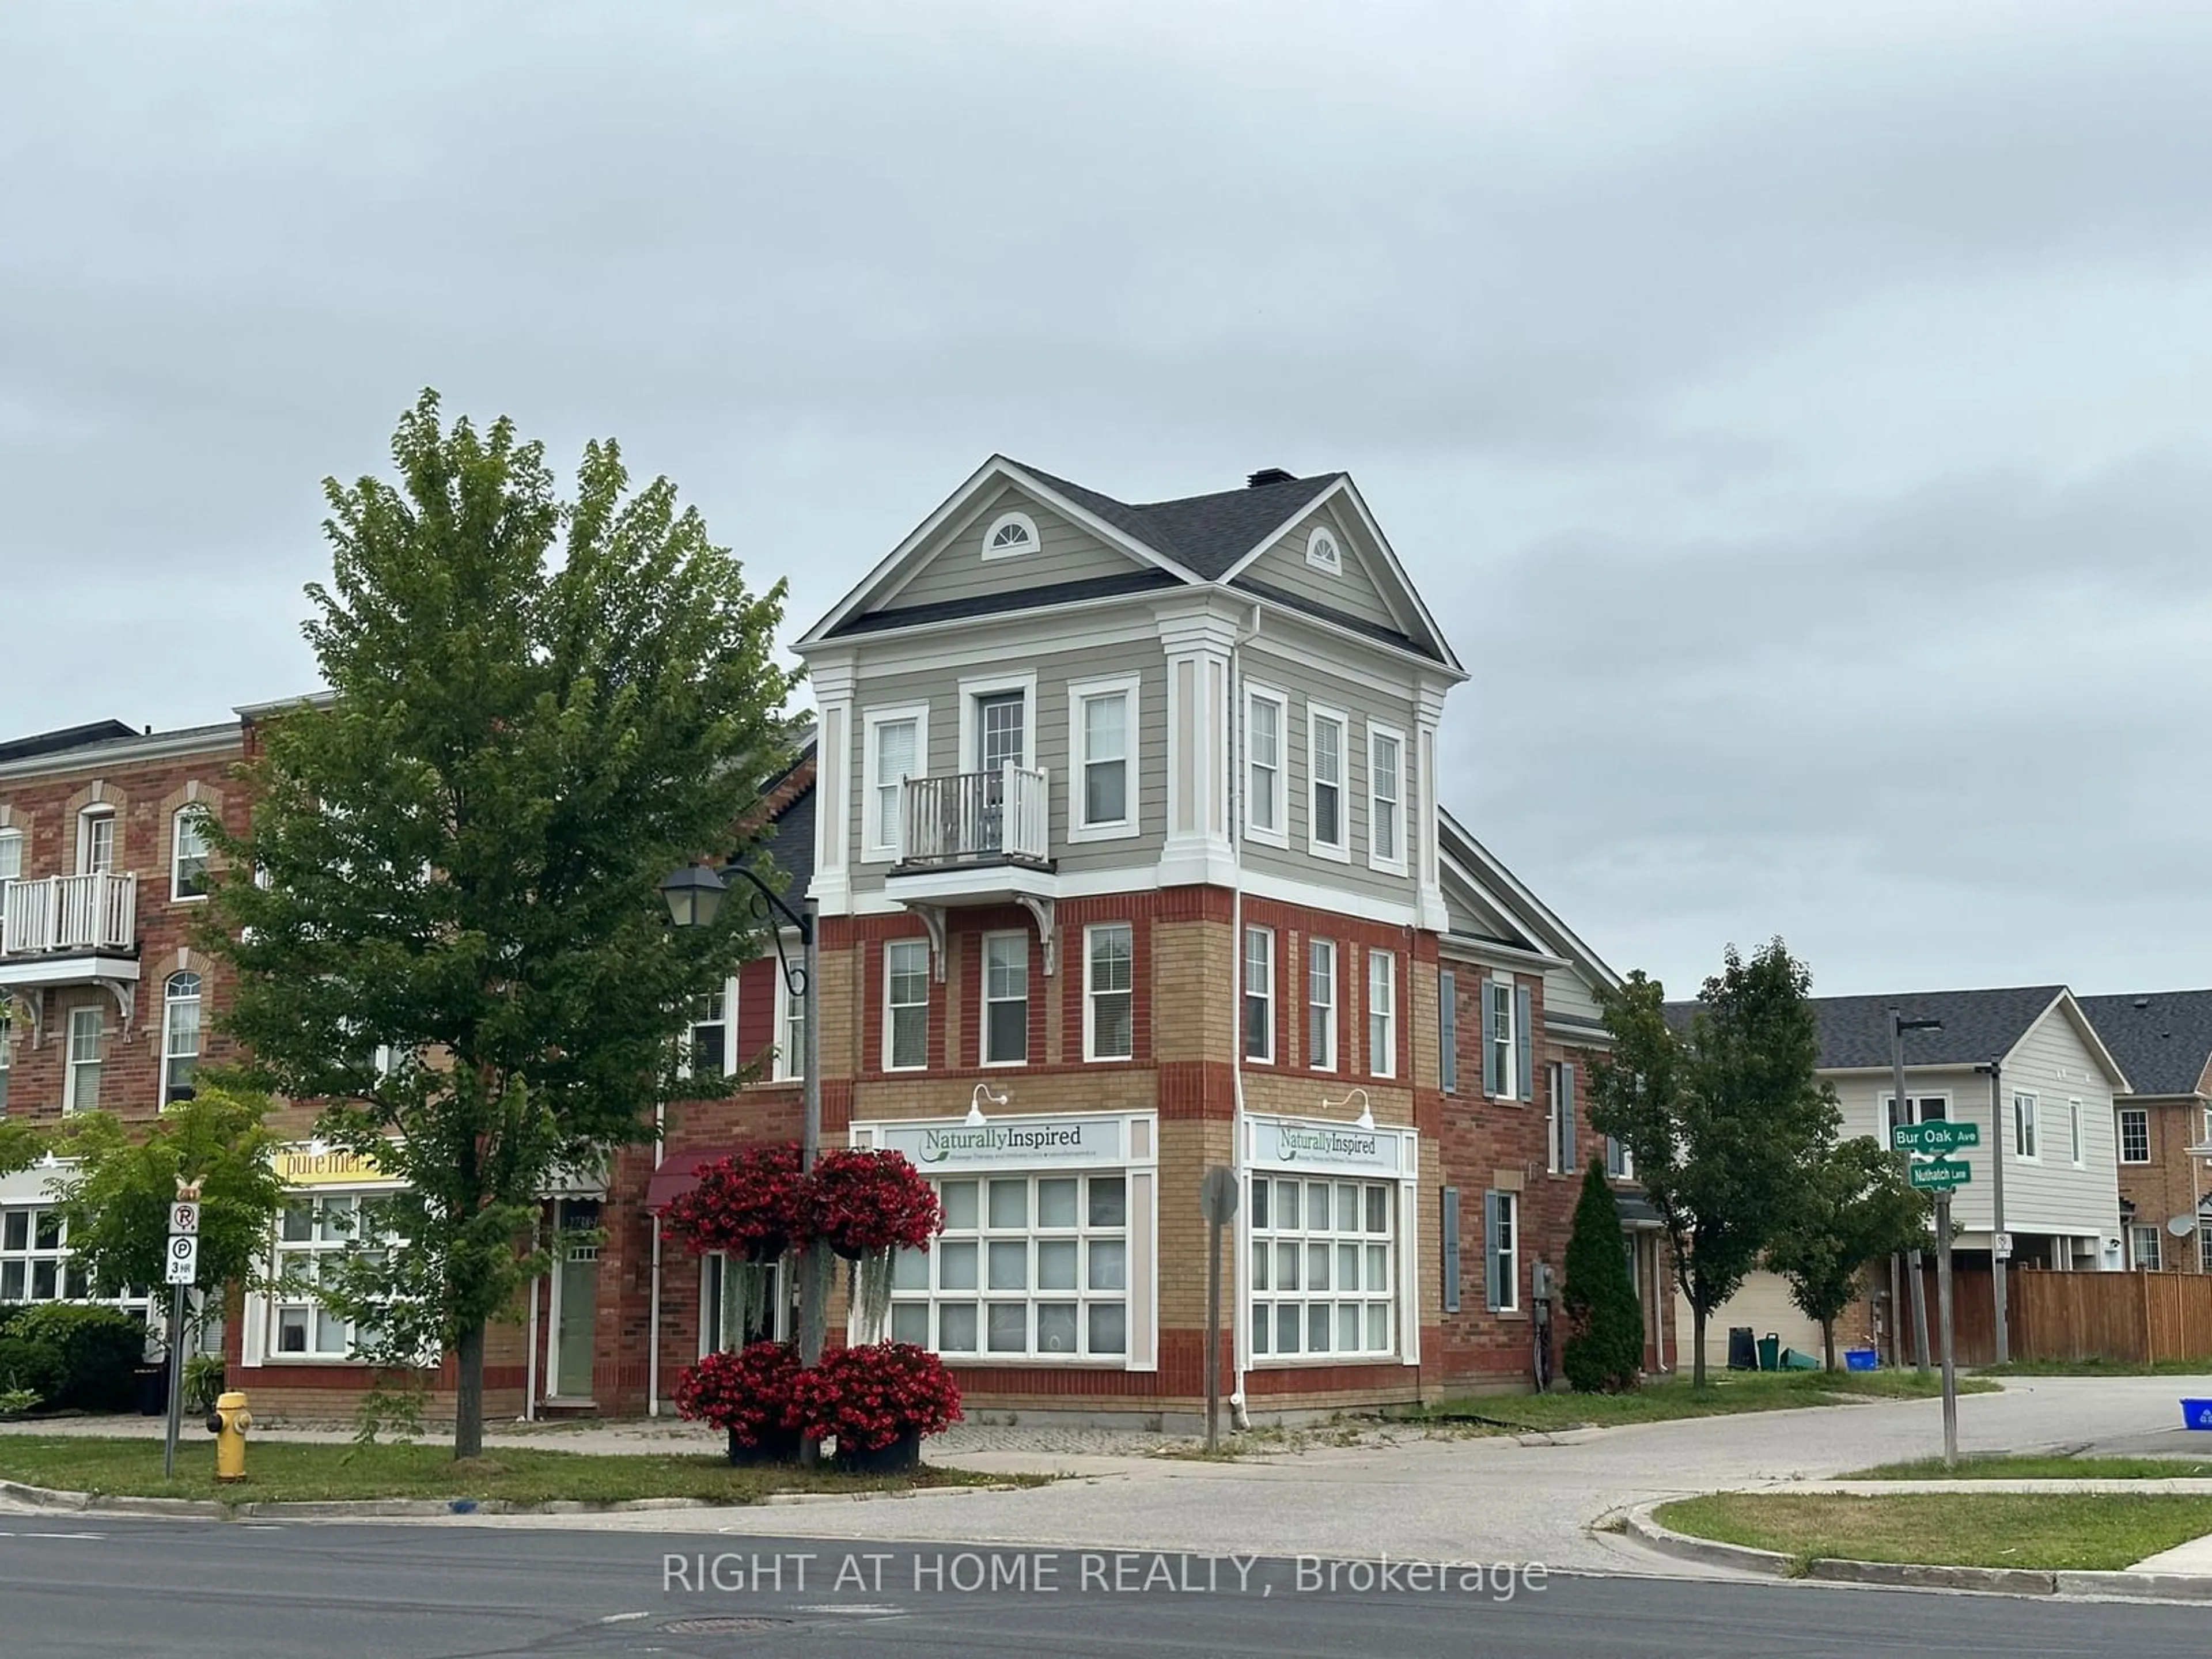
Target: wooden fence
2138, 1318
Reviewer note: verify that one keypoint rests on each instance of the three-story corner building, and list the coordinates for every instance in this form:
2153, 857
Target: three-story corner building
1129, 865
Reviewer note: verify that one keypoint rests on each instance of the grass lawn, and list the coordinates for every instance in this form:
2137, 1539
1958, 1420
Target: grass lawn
289, 1471
1725, 1394
2001, 1467
2097, 1368
2094, 1532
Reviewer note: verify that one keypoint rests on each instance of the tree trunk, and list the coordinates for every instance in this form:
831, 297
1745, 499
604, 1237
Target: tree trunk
1828, 1342
468, 1394
1697, 1346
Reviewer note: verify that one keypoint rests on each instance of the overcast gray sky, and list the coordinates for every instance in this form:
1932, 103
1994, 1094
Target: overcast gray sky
1796, 414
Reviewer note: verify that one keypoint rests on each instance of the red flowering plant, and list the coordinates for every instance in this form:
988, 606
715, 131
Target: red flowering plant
870, 1396
862, 1202
750, 1393
750, 1205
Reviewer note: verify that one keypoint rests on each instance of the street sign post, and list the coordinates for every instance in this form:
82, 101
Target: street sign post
1939, 1175
1943, 1308
181, 1266
185, 1217
183, 1260
1934, 1135
1217, 1202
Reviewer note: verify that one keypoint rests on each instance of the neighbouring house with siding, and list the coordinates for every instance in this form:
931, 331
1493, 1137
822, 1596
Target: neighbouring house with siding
2164, 1039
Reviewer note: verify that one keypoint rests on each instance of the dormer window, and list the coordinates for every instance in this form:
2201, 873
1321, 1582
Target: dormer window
1011, 535
1322, 553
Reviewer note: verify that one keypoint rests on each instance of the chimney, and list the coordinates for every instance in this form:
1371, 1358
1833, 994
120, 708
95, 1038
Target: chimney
1269, 475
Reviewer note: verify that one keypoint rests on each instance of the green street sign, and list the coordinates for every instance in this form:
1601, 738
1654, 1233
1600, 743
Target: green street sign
1933, 1136
1940, 1175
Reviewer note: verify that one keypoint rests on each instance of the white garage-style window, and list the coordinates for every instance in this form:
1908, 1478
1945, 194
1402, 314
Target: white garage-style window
1028, 1267
1011, 535
1324, 1279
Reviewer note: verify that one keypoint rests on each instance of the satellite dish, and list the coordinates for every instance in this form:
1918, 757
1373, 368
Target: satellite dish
2183, 1225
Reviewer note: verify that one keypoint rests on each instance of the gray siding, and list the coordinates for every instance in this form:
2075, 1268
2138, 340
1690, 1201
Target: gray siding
1355, 592
957, 570
1567, 992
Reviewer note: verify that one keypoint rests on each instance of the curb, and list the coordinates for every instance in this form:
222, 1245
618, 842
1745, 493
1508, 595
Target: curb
205, 1509
1706, 1551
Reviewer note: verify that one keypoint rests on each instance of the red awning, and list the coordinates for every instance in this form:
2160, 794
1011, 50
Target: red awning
680, 1173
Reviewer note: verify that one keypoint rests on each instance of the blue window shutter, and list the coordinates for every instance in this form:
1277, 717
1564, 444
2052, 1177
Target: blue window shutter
1451, 1249
1567, 1117
1493, 1076
1524, 1053
1493, 1291
1448, 1030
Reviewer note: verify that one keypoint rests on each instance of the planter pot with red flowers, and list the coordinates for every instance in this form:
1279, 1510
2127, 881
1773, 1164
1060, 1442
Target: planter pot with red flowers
877, 1401
752, 1396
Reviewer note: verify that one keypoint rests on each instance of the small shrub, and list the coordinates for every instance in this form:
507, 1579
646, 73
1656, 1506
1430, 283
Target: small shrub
89, 1354
1604, 1348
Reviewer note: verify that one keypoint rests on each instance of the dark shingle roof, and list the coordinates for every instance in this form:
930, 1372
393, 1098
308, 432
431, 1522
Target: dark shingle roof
1977, 1025
992, 604
790, 845
1205, 534
2161, 1038
73, 737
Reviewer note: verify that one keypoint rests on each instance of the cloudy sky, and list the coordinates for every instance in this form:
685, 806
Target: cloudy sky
1798, 415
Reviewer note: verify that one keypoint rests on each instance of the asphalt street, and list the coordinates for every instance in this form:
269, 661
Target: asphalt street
87, 1586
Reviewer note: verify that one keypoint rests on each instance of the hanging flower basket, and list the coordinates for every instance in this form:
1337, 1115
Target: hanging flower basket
870, 1397
750, 1205
861, 1202
751, 1395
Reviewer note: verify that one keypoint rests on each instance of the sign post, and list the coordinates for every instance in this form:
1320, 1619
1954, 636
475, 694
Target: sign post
1930, 1168
182, 1261
1217, 1203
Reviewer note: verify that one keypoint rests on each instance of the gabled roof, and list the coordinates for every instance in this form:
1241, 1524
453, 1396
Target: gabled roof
1528, 924
71, 736
1192, 540
2162, 1037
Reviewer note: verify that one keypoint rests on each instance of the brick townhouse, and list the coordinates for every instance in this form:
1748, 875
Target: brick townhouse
1121, 828
2163, 1123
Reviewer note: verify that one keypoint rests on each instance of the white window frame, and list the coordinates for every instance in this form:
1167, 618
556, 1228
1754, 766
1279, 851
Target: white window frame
973, 1243
1340, 850
789, 1065
81, 1020
714, 1265
1278, 834
2142, 1114
2136, 1234
20, 1262
1387, 866
1080, 694
687, 1050
997, 685
2026, 1129
1093, 992
12, 842
987, 1001
1247, 993
1322, 1011
1915, 1107
1554, 1148
1619, 1162
191, 814
1300, 1248
1324, 551
174, 1007
86, 818
7, 1048
298, 1297
2073, 1132
991, 551
874, 848
1501, 1000
905, 947
1508, 1254
1383, 1007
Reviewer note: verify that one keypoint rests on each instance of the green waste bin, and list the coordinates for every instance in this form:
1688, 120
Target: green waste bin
1770, 1352
1794, 1361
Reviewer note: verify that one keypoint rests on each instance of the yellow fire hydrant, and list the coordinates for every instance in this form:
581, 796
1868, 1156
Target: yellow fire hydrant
228, 1423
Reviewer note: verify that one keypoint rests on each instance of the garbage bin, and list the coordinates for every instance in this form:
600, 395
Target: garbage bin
1742, 1356
1770, 1352
151, 1384
1794, 1361
1860, 1359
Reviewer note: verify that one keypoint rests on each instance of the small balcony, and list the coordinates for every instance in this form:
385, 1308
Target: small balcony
68, 930
976, 818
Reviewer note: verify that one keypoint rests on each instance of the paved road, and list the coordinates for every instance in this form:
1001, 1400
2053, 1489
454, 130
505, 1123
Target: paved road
185, 1590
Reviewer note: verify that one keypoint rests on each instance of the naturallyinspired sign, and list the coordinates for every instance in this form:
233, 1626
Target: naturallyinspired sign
1335, 1148
1008, 1142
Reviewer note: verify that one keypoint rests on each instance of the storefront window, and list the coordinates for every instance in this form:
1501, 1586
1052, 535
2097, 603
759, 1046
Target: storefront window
1323, 1266
1028, 1267
34, 1257
312, 1236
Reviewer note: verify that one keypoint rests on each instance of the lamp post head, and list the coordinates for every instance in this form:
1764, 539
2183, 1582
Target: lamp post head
1366, 1118
693, 896
983, 1092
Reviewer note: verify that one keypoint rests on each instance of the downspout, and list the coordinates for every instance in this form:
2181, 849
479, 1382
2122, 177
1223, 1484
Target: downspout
530, 1378
1238, 1414
653, 1313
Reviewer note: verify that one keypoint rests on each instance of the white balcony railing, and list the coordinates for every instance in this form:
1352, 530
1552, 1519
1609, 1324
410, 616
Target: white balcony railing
976, 818
68, 912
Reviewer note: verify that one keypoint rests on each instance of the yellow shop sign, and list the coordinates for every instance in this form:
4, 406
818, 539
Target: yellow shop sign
314, 1166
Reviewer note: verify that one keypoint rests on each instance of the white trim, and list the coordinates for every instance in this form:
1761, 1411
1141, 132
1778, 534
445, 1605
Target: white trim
1035, 630
196, 809
1091, 994
1324, 552
1460, 852
986, 685
1019, 520
1078, 693
1499, 1029
2074, 1144
1389, 866
1337, 851
786, 1067
889, 946
1334, 1004
685, 1045
1244, 994
1280, 835
2119, 1131
984, 1000
873, 851
107, 754
1389, 1068
1462, 947
2034, 1124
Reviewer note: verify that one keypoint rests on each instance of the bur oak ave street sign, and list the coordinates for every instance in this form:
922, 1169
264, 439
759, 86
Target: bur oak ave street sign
1935, 1136
1940, 1175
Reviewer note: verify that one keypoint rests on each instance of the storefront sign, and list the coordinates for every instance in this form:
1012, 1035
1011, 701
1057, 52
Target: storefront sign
306, 1166
1337, 1148
1009, 1143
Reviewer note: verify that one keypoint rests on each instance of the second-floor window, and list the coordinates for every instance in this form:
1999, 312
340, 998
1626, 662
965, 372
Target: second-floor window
1102, 722
188, 854
1321, 1004
706, 1036
181, 1032
896, 739
1559, 1136
1325, 816
1109, 991
2134, 1134
1386, 829
1499, 1039
7, 1047
95, 840
1006, 999
11, 854
1260, 995
2024, 1143
1382, 1014
1265, 812
906, 1005
84, 1034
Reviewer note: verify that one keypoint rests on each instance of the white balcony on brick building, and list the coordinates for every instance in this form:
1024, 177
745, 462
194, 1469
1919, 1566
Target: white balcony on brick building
59, 931
976, 838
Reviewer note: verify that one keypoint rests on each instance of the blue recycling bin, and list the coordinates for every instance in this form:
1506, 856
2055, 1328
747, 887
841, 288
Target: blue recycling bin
2196, 1413
1860, 1359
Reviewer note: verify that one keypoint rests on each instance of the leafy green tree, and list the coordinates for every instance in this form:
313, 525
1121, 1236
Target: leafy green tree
444, 918
115, 1197
1604, 1349
1854, 1208
20, 1143
1723, 1115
